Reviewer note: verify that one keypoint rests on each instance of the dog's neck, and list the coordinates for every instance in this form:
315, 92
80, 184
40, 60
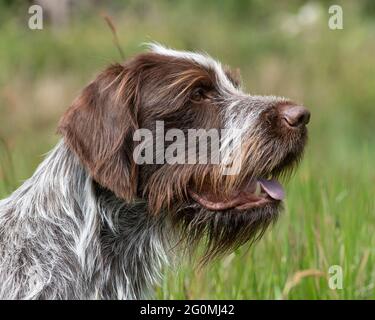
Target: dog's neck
79, 240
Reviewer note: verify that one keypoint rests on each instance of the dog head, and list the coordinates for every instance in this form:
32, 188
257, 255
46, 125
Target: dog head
256, 139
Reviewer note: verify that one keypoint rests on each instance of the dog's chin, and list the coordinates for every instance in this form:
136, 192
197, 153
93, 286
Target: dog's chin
225, 225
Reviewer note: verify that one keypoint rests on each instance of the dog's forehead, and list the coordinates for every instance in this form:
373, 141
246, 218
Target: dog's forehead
202, 59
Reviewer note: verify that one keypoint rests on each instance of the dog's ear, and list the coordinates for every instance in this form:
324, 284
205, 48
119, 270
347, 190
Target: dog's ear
99, 128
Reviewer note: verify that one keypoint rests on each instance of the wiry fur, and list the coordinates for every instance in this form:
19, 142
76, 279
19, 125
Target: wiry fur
61, 238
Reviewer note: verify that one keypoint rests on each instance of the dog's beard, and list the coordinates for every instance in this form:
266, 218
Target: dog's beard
223, 212
221, 232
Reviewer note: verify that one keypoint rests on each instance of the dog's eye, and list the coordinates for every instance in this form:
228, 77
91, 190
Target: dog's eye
198, 95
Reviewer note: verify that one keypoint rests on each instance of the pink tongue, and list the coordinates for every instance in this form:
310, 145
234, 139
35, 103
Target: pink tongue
273, 188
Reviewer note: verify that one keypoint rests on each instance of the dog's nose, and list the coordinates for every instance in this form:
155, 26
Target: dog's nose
295, 116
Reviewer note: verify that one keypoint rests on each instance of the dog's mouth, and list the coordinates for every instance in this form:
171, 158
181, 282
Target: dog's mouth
256, 193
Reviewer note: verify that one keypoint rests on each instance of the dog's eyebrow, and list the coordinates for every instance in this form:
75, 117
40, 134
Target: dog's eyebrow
226, 79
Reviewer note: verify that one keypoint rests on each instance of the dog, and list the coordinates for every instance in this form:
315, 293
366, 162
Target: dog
92, 223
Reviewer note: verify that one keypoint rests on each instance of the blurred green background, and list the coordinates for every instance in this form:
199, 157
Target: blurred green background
282, 48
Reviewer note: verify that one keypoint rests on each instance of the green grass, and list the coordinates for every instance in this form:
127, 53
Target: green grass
329, 217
